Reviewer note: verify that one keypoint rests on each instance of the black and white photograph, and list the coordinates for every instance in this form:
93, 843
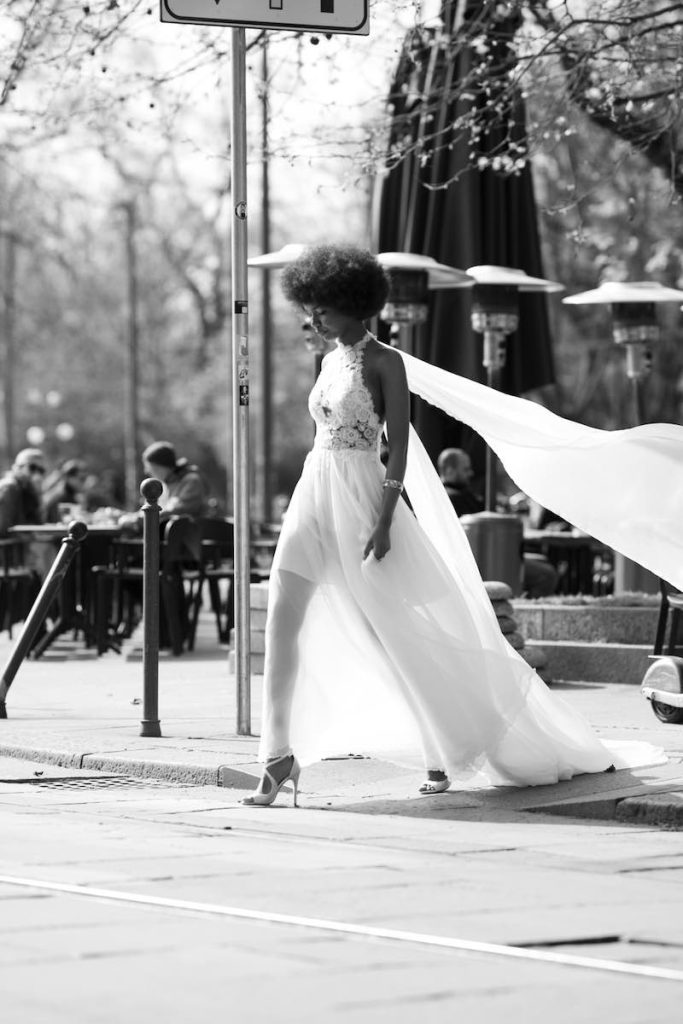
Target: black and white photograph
341, 505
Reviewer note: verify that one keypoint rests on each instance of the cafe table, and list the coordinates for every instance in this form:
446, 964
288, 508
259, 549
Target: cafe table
76, 593
572, 552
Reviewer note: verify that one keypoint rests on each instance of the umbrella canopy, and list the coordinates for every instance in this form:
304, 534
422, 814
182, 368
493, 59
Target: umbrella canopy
482, 216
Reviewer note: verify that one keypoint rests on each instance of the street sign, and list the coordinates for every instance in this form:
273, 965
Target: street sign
325, 16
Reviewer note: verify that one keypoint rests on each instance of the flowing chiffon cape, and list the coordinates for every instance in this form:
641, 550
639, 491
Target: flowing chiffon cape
623, 487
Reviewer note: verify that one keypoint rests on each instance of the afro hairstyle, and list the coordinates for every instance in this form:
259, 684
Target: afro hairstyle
343, 278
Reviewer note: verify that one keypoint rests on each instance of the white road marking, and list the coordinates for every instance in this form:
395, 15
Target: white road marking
364, 931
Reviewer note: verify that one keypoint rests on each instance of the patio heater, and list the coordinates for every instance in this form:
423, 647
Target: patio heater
496, 538
495, 315
411, 279
634, 326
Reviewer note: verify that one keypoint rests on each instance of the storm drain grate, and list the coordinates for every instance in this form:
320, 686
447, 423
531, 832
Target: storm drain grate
91, 782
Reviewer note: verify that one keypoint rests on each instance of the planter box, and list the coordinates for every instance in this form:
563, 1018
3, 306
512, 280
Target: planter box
595, 624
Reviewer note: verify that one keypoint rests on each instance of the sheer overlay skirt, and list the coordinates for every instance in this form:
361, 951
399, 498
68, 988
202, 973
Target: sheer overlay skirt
401, 658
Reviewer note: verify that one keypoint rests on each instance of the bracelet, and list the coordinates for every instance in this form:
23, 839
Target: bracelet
394, 484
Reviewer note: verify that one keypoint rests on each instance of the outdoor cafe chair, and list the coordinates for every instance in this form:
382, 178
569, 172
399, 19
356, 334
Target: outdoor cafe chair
19, 584
217, 566
119, 586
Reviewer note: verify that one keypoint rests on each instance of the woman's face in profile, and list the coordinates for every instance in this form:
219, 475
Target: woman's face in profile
328, 323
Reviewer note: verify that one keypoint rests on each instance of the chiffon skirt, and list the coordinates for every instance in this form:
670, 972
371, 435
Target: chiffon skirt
403, 659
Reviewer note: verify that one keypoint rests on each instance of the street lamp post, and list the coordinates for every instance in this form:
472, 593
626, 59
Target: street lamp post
634, 326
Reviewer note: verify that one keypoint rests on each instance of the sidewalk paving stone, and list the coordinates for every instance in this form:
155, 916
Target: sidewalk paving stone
82, 713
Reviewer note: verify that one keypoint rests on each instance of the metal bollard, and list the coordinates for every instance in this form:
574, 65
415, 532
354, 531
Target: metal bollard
51, 584
151, 491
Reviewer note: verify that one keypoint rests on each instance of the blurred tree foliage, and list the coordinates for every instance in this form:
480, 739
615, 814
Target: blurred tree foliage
607, 215
94, 119
71, 321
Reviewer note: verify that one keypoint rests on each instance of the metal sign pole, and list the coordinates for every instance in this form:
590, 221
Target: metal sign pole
351, 17
240, 379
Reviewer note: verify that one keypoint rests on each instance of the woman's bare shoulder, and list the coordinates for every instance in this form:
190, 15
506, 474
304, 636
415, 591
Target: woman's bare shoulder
385, 359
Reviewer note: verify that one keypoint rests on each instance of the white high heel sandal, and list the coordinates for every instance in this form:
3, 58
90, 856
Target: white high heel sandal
437, 782
264, 797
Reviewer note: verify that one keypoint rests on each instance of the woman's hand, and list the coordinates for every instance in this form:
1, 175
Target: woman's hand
379, 543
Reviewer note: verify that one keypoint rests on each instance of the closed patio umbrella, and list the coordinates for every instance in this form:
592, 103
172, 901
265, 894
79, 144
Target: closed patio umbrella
483, 215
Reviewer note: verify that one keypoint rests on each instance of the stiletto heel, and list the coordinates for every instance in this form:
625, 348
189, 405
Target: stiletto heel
264, 797
295, 782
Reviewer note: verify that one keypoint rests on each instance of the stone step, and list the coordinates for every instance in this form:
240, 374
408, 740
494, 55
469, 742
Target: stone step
570, 661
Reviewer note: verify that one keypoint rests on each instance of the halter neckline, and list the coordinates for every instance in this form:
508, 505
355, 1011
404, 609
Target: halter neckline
341, 347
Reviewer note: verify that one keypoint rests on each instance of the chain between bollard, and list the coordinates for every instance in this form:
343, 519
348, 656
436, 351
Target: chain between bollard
150, 490
36, 616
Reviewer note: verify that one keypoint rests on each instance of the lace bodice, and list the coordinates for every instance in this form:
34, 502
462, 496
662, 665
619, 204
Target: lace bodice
341, 404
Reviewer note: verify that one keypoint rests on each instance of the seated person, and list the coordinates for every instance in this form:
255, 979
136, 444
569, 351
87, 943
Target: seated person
184, 490
455, 469
20, 490
539, 577
185, 493
21, 503
68, 490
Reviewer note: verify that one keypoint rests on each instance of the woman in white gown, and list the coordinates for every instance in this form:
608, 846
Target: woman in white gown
380, 637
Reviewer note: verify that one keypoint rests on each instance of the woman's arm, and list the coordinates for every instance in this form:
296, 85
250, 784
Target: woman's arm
396, 395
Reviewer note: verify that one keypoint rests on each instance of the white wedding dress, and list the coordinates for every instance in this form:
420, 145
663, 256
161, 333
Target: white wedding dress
401, 659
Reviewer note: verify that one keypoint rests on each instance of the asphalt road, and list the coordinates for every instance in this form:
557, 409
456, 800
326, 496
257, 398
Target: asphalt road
134, 901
